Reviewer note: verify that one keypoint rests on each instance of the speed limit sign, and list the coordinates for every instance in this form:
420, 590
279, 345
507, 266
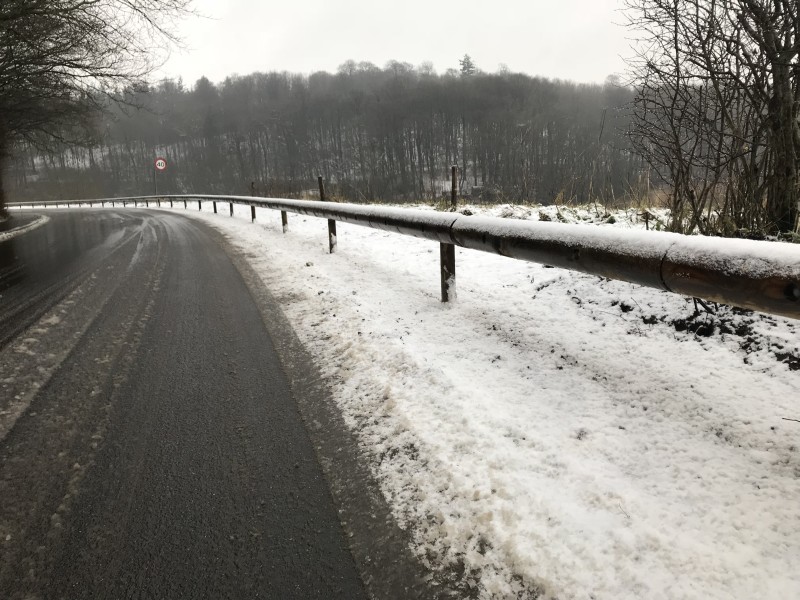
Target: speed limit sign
161, 164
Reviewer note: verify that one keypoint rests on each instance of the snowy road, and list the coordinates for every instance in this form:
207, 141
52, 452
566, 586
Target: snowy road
149, 444
549, 435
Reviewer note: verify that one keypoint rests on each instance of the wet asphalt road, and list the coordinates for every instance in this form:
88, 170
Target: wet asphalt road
149, 443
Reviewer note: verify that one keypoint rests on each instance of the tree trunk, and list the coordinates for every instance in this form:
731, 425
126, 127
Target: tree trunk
3, 210
784, 193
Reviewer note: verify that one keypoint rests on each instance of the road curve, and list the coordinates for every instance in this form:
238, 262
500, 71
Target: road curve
149, 443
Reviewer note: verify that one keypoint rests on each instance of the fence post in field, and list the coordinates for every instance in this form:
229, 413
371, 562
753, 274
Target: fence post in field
331, 222
454, 186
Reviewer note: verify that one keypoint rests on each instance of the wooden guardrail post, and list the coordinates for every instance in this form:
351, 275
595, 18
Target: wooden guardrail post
231, 203
215, 206
284, 221
331, 222
199, 205
184, 203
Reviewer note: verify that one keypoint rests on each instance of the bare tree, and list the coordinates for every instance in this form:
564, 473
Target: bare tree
59, 60
717, 113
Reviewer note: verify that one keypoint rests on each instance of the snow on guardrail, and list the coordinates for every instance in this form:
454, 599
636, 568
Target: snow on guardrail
757, 275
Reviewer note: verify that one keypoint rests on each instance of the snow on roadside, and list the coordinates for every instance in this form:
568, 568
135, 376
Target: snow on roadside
552, 433
38, 222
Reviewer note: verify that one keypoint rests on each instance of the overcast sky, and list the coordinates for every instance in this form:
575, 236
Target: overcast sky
579, 40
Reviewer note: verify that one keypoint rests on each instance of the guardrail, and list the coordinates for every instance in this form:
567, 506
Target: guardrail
763, 276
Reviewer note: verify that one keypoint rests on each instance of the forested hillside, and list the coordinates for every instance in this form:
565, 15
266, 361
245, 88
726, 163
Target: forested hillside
373, 134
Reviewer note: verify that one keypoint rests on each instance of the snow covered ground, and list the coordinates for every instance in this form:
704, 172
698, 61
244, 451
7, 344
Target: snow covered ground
29, 226
552, 434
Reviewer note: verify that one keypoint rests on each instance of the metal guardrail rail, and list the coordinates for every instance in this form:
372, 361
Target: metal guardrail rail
763, 276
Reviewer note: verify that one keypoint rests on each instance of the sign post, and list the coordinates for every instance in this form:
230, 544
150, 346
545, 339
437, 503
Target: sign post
159, 165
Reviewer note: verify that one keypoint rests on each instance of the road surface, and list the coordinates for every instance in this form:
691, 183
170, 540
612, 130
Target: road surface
149, 443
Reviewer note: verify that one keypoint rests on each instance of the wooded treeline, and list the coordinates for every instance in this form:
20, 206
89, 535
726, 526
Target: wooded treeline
717, 110
373, 134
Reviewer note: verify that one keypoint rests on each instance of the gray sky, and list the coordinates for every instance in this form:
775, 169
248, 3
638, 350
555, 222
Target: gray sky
567, 39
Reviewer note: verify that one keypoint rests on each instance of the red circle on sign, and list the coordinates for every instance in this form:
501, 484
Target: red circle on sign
161, 163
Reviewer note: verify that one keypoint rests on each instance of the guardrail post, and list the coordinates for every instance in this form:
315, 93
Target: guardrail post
284, 221
231, 203
199, 205
447, 257
184, 203
170, 203
252, 214
123, 204
215, 206
147, 202
331, 222
447, 252
454, 186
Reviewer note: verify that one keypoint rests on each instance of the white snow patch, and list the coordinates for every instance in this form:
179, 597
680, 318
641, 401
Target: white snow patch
7, 235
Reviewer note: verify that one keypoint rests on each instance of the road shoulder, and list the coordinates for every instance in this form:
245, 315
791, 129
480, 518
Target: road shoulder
379, 546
